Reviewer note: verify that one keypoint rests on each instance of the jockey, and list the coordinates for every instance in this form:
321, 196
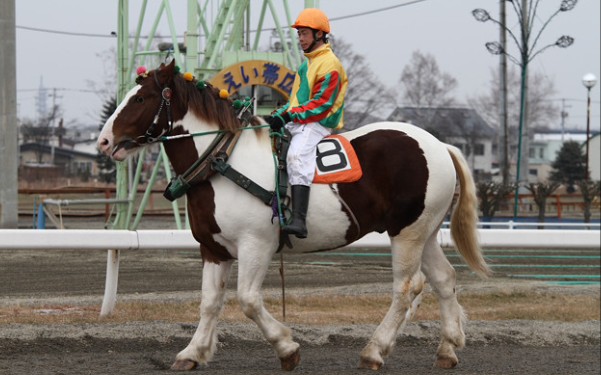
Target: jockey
315, 107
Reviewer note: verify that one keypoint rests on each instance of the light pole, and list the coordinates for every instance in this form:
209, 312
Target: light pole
526, 14
589, 80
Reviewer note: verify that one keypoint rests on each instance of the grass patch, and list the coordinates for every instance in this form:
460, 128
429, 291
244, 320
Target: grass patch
324, 310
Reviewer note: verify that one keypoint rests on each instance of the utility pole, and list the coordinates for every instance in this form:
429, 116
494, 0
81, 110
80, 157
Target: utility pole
564, 115
9, 215
503, 104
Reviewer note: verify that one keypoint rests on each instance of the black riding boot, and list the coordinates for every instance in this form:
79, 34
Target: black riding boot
300, 203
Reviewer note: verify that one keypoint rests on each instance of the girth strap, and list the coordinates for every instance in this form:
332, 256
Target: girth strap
220, 165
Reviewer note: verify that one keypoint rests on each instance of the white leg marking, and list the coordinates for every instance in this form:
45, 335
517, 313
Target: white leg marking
253, 266
441, 276
204, 342
407, 287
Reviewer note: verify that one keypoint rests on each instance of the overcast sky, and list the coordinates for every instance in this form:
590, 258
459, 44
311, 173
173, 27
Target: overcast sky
445, 29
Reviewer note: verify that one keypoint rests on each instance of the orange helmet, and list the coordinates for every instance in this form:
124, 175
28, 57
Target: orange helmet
313, 18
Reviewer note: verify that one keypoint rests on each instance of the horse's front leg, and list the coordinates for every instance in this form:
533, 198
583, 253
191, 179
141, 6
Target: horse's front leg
253, 263
204, 342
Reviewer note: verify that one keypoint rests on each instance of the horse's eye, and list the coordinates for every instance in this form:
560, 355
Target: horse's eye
139, 99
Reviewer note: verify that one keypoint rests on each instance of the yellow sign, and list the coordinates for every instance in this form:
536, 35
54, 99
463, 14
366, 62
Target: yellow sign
255, 72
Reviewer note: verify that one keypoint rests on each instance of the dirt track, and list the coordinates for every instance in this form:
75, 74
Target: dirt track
508, 348
34, 277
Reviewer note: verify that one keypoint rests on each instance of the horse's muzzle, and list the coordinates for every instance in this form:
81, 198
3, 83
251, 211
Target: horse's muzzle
119, 152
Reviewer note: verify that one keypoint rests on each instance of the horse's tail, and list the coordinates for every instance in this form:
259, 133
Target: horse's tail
464, 219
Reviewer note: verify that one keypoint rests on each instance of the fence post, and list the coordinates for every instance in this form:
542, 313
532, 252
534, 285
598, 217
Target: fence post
41, 224
107, 212
110, 287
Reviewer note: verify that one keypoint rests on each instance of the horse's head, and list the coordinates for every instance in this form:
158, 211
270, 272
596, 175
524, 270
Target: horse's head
159, 105
145, 114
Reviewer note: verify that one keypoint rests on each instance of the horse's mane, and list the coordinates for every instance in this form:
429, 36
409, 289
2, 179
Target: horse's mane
207, 104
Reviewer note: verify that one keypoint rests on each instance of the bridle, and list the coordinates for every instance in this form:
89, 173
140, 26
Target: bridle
166, 95
148, 138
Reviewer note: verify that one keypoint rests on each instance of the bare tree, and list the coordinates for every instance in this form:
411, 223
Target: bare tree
491, 194
41, 131
541, 192
366, 95
424, 85
542, 112
590, 191
107, 86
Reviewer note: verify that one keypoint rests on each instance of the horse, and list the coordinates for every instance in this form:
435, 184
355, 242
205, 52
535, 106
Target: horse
407, 188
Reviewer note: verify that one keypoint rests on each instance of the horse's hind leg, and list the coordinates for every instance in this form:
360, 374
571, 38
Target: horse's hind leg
441, 276
407, 288
253, 266
204, 342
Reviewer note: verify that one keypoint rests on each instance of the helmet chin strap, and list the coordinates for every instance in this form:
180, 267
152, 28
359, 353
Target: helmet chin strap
310, 48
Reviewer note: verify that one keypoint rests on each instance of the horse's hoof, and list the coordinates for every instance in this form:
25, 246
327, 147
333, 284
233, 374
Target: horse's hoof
184, 365
290, 362
370, 364
446, 362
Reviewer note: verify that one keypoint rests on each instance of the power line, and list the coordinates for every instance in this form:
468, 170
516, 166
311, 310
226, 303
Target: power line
570, 100
111, 35
114, 34
376, 10
60, 89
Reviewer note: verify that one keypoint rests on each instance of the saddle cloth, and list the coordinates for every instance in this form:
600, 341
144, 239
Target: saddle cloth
337, 161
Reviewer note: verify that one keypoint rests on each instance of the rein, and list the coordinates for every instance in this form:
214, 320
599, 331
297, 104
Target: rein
166, 138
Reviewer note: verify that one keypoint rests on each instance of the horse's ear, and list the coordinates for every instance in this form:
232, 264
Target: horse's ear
166, 72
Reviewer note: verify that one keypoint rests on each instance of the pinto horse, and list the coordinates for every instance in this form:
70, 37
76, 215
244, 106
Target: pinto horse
407, 188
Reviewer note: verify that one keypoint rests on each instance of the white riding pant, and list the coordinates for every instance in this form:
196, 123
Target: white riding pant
303, 150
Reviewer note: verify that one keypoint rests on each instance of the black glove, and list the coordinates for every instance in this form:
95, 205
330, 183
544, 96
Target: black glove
277, 122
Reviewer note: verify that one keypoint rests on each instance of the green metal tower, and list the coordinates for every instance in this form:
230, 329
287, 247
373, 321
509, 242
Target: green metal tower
207, 47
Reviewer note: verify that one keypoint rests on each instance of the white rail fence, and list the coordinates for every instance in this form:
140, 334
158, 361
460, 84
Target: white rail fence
117, 240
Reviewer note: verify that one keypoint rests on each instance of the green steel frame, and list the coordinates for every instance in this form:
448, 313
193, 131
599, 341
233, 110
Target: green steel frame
226, 40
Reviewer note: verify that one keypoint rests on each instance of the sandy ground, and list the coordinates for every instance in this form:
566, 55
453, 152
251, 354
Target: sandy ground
38, 277
508, 347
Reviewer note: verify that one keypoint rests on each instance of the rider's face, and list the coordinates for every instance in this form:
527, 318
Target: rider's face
305, 37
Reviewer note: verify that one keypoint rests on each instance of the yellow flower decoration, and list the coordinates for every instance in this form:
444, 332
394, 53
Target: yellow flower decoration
188, 76
224, 94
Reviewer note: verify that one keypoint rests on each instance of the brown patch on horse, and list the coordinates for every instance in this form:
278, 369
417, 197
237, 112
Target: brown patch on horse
391, 194
201, 212
182, 152
201, 202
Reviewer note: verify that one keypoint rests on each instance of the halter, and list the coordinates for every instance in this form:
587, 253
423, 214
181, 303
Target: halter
166, 95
